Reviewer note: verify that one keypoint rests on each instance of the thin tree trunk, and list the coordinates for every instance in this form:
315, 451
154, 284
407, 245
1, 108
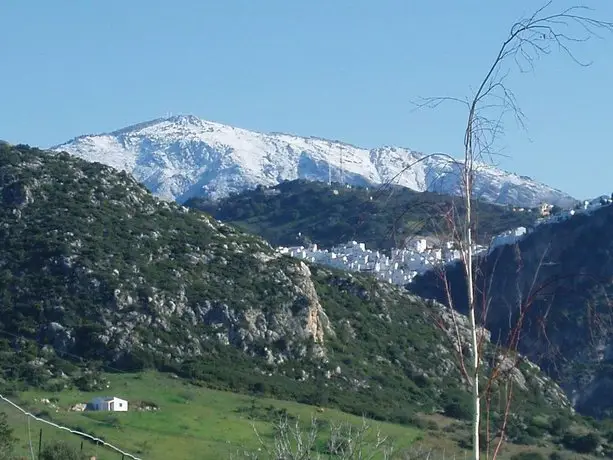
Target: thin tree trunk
471, 307
531, 37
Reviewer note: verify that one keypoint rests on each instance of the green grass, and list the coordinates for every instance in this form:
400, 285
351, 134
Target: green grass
191, 423
199, 423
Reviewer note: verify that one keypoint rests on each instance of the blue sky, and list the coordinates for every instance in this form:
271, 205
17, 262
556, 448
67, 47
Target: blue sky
340, 69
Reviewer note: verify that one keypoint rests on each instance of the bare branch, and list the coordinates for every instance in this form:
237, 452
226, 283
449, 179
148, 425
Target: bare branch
528, 40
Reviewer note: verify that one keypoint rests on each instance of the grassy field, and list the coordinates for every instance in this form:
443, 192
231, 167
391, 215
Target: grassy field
198, 423
190, 423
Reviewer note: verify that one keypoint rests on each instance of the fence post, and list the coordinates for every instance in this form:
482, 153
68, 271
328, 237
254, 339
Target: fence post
81, 445
40, 442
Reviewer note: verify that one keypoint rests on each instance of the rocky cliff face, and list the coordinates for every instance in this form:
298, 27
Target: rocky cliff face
94, 266
296, 324
561, 277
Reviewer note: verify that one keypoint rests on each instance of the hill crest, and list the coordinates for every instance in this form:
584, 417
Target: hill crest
182, 157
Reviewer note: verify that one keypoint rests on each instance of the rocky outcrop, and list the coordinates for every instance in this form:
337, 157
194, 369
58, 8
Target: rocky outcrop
316, 323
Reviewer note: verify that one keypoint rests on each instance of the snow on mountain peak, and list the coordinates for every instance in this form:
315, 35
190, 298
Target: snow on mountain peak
182, 156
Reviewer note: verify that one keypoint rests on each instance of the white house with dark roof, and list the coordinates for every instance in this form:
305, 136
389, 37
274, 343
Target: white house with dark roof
111, 404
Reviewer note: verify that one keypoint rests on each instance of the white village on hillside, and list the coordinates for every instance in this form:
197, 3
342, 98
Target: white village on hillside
421, 254
404, 264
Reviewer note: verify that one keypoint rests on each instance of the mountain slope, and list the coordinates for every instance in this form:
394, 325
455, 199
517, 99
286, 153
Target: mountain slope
183, 156
561, 275
94, 267
330, 215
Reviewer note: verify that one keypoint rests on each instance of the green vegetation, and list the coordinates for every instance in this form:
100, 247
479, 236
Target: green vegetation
97, 271
170, 418
562, 276
60, 450
382, 218
98, 276
7, 439
528, 456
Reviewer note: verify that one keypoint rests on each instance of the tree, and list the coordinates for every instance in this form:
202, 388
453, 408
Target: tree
343, 441
487, 108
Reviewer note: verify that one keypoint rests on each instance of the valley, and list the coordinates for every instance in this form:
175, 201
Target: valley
302, 231
104, 286
390, 232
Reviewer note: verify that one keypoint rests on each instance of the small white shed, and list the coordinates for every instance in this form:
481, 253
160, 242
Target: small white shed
111, 403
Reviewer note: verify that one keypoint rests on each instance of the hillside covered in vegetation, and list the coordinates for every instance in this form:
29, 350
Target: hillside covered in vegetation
559, 281
98, 275
329, 215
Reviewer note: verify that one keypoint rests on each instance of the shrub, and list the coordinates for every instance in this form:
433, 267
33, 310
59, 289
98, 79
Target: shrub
583, 444
60, 451
559, 425
528, 456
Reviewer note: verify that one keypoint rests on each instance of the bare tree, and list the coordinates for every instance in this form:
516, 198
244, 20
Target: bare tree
343, 441
488, 107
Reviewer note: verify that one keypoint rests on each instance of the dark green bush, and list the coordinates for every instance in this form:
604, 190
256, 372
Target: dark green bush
584, 444
529, 456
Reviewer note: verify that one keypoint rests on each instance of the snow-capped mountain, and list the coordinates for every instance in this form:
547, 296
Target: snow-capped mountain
183, 156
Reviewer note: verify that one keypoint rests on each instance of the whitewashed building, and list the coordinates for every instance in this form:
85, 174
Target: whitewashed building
111, 404
419, 255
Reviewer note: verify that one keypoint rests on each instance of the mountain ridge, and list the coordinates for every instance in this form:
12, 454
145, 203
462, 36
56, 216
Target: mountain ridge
330, 215
183, 156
